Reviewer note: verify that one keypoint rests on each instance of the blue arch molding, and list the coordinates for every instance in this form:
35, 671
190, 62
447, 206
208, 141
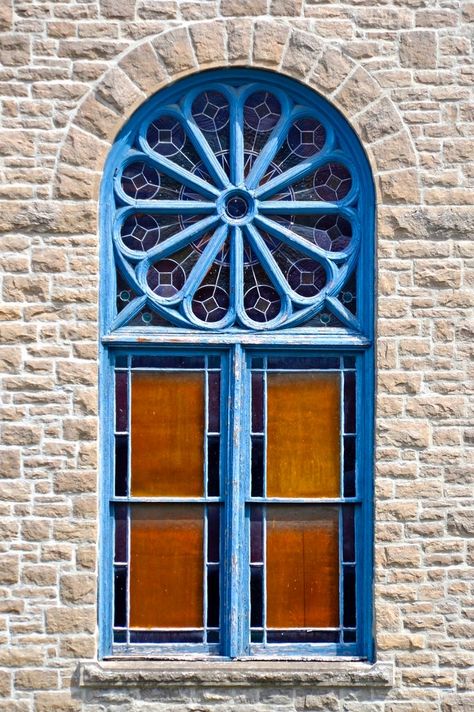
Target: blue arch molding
216, 211
300, 254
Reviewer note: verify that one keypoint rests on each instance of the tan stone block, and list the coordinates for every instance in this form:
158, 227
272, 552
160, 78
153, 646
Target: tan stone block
14, 50
209, 42
379, 121
21, 656
10, 359
77, 647
98, 119
162, 10
39, 575
119, 92
175, 50
85, 507
287, 8
61, 29
461, 522
36, 679
357, 92
6, 15
400, 187
458, 150
144, 69
269, 41
404, 433
25, 288
75, 372
35, 529
80, 429
20, 434
15, 143
78, 532
436, 406
82, 149
437, 274
328, 702
70, 620
118, 9
90, 49
86, 557
468, 11
403, 555
56, 702
331, 70
75, 184
301, 54
5, 676
10, 463
9, 569
400, 382
418, 49
77, 588
48, 259
75, 482
239, 8
239, 37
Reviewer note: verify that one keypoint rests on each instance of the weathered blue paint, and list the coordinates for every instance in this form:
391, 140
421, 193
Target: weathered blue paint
235, 344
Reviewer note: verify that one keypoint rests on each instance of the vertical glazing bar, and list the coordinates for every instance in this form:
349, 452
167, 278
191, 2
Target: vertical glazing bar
236, 605
341, 485
264, 514
205, 572
236, 142
364, 486
129, 489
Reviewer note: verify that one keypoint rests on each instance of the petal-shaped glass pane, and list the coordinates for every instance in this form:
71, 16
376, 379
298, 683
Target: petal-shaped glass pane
167, 277
167, 137
141, 181
262, 302
211, 112
330, 232
329, 183
305, 138
262, 111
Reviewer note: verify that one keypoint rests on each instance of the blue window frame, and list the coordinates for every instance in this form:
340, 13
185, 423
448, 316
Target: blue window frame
237, 243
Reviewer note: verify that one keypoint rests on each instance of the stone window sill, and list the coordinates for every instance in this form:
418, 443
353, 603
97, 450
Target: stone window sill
236, 673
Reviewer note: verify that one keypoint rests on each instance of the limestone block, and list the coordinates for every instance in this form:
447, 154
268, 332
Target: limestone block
14, 50
118, 9
269, 42
174, 49
82, 149
239, 8
209, 42
75, 184
96, 118
239, 36
144, 69
405, 433
418, 49
438, 274
331, 70
56, 702
9, 569
287, 8
6, 15
395, 152
23, 288
400, 187
77, 588
301, 54
119, 92
380, 120
152, 10
36, 679
357, 92
90, 49
461, 522
48, 259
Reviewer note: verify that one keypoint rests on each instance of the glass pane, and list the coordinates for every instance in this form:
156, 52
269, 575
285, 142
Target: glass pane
167, 434
166, 566
214, 385
121, 526
349, 403
349, 466
349, 597
121, 465
303, 636
213, 595
257, 466
213, 465
120, 593
257, 402
302, 567
121, 415
256, 596
303, 435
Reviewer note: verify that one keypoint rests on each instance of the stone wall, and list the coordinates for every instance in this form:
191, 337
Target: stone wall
71, 73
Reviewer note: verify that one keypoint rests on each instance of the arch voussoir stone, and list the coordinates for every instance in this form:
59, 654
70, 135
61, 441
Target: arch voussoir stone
263, 42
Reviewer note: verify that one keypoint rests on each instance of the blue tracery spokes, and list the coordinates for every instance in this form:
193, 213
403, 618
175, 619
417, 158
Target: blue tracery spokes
236, 206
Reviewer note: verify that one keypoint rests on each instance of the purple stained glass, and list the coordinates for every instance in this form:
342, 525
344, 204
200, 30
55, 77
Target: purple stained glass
349, 402
213, 533
166, 136
256, 596
213, 465
166, 278
211, 111
349, 616
211, 303
213, 596
121, 530
306, 137
258, 446
262, 111
332, 182
214, 401
140, 232
256, 535
140, 181
307, 277
348, 537
262, 302
257, 402
121, 401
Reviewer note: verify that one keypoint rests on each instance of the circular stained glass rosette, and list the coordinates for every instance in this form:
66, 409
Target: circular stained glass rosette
236, 207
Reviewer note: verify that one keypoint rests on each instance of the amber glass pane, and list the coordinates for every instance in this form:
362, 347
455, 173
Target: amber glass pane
303, 435
166, 566
302, 567
167, 434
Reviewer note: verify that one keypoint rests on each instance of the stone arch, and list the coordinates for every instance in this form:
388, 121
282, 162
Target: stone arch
264, 43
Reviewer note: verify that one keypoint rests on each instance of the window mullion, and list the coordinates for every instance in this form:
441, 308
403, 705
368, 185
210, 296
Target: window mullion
236, 606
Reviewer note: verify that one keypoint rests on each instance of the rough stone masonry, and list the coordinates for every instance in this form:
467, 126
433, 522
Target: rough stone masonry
71, 73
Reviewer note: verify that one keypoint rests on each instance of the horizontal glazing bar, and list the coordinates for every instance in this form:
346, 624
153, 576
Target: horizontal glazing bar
166, 500
302, 500
318, 338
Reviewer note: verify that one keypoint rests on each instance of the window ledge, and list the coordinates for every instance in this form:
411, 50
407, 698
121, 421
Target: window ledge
248, 673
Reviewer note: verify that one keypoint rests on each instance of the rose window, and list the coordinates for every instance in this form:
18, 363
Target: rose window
236, 206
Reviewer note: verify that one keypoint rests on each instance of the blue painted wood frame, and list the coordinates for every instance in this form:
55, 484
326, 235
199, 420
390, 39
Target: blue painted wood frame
356, 336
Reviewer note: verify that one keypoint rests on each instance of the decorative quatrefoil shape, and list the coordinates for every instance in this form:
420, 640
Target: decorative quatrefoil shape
237, 205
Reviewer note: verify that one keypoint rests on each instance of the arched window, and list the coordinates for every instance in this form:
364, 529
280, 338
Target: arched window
237, 240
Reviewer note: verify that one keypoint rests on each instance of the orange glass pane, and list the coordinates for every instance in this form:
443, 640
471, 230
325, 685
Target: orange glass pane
166, 566
302, 567
167, 434
303, 435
